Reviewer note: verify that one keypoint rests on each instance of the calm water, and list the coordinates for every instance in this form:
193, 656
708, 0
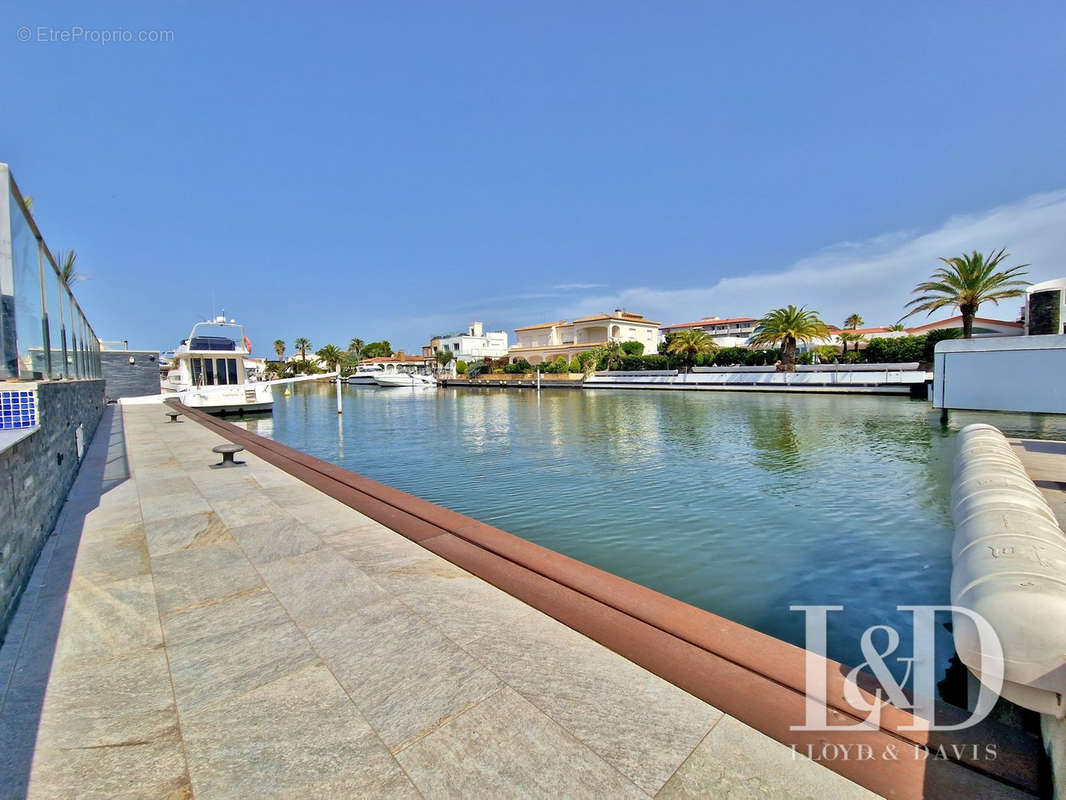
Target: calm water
742, 504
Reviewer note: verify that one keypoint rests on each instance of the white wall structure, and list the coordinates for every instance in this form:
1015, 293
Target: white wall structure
732, 332
472, 344
1017, 373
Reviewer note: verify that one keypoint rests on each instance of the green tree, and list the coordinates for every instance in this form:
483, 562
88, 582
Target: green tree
331, 356
461, 367
356, 346
789, 326
853, 321
279, 349
847, 337
966, 282
377, 349
690, 344
899, 326
444, 358
302, 344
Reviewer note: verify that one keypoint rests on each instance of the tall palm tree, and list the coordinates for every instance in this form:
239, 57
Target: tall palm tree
331, 356
853, 321
279, 349
789, 326
967, 281
899, 326
356, 346
690, 344
67, 273
302, 344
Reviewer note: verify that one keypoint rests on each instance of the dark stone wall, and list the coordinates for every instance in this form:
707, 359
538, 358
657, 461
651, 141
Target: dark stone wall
1044, 312
124, 379
35, 476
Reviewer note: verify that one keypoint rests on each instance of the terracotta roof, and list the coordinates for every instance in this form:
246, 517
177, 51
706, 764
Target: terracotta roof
958, 319
542, 325
709, 321
624, 317
860, 331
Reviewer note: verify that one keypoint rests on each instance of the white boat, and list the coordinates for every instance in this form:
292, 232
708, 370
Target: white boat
405, 380
364, 374
208, 371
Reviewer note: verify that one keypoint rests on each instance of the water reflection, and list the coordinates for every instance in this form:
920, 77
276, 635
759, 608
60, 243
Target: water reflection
742, 504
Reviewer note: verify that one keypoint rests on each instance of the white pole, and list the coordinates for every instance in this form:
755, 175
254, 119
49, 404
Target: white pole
339, 411
538, 380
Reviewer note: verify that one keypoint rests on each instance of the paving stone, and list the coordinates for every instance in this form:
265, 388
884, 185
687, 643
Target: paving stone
504, 747
735, 760
202, 575
298, 736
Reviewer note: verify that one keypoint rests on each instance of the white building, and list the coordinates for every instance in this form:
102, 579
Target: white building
732, 332
472, 344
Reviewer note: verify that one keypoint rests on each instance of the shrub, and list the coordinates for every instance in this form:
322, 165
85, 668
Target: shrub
933, 337
882, 350
633, 348
654, 362
762, 358
461, 367
731, 356
574, 366
556, 367
806, 357
827, 353
518, 367
853, 357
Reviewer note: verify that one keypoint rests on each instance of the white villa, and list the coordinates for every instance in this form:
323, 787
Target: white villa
549, 340
732, 332
472, 344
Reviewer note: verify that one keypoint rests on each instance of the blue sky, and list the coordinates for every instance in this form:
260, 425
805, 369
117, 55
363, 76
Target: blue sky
398, 169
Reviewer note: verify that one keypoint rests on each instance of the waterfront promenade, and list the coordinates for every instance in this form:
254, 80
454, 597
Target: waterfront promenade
234, 633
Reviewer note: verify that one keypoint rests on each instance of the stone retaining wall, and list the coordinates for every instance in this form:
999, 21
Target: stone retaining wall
123, 379
35, 475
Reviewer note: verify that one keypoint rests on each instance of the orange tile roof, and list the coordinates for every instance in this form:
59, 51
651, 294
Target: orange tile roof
958, 319
624, 317
708, 321
861, 331
542, 325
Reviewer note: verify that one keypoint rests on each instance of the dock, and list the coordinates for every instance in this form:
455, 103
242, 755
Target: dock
199, 632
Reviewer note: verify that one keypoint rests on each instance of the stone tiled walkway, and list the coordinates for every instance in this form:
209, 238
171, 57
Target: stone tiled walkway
235, 633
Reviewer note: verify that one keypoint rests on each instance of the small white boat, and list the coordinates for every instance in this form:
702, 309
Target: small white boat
208, 371
405, 380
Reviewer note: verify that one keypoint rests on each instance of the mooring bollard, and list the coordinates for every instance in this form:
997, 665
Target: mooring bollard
173, 415
227, 451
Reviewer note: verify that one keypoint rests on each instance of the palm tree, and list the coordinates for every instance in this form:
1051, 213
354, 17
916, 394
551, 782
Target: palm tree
303, 345
279, 349
967, 281
68, 275
846, 337
853, 321
690, 344
789, 326
356, 346
444, 358
899, 326
331, 356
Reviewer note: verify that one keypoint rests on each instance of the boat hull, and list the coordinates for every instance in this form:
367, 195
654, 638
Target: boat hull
248, 398
404, 382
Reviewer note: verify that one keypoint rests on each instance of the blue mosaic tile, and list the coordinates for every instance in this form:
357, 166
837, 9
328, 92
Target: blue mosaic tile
18, 410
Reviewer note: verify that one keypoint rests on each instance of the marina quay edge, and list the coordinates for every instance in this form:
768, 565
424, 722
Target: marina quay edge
600, 401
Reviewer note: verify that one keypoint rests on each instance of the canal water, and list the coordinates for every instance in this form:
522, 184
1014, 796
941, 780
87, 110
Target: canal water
741, 504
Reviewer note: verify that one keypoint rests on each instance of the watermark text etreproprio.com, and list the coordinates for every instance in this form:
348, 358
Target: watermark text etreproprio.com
78, 34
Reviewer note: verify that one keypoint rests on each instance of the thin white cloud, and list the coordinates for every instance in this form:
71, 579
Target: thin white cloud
570, 286
873, 278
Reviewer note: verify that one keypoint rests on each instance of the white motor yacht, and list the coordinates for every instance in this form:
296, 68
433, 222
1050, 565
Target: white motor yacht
398, 379
208, 371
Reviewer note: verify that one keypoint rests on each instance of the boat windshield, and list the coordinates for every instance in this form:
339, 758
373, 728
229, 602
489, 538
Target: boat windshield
212, 336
